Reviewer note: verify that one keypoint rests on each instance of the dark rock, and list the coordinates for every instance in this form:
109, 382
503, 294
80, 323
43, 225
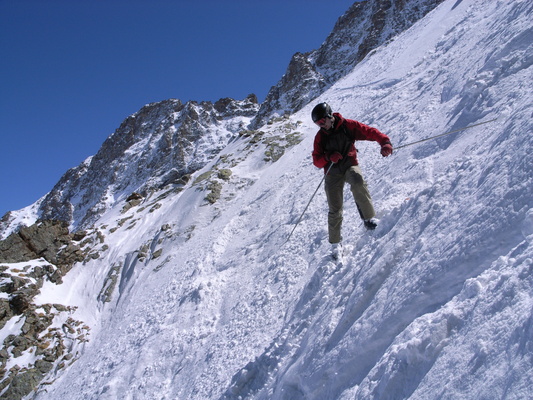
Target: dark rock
19, 303
78, 236
5, 312
177, 135
43, 366
22, 384
134, 196
364, 27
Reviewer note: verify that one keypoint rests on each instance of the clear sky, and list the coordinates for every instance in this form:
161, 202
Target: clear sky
71, 70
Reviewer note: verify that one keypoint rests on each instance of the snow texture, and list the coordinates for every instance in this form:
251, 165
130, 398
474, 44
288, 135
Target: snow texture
436, 303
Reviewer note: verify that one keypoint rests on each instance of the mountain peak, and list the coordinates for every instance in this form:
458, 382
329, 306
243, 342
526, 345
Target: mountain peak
161, 141
189, 289
364, 27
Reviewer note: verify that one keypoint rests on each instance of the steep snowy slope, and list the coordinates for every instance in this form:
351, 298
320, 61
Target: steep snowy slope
209, 302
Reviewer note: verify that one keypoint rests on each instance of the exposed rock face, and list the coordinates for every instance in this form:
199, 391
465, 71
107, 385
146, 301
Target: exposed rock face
160, 143
50, 240
52, 244
227, 107
166, 141
364, 27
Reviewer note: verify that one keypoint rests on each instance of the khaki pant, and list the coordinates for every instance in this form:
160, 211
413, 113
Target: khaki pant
335, 193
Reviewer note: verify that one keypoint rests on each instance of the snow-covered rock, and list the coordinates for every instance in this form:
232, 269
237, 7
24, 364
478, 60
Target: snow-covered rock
191, 299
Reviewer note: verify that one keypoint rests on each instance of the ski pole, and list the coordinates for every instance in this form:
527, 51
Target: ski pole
311, 199
444, 134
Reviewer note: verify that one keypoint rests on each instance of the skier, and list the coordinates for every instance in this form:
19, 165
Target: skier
334, 147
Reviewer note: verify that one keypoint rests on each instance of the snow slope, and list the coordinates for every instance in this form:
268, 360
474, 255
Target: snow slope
436, 303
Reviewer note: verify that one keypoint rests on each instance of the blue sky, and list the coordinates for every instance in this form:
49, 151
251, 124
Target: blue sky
71, 70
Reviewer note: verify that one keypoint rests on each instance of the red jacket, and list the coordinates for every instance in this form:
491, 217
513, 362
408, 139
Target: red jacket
341, 139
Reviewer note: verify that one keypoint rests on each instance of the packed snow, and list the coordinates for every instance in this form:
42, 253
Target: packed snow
437, 302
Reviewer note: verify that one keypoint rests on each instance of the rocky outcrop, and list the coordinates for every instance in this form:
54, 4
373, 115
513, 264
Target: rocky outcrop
50, 240
364, 27
228, 108
45, 251
299, 85
166, 141
159, 144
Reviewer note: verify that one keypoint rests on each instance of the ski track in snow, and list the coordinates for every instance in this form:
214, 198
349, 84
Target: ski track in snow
435, 303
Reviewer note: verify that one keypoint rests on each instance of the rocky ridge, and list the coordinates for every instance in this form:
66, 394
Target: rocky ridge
153, 153
365, 26
47, 331
165, 141
158, 145
47, 251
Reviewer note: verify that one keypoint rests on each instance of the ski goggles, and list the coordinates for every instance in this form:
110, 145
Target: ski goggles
320, 121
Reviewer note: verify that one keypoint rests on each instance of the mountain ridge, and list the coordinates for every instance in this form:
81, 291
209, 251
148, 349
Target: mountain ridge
80, 196
190, 291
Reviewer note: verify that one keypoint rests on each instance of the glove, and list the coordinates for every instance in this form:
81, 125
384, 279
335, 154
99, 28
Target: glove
335, 157
386, 149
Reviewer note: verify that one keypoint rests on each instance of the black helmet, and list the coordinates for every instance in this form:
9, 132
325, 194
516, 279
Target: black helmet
320, 111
